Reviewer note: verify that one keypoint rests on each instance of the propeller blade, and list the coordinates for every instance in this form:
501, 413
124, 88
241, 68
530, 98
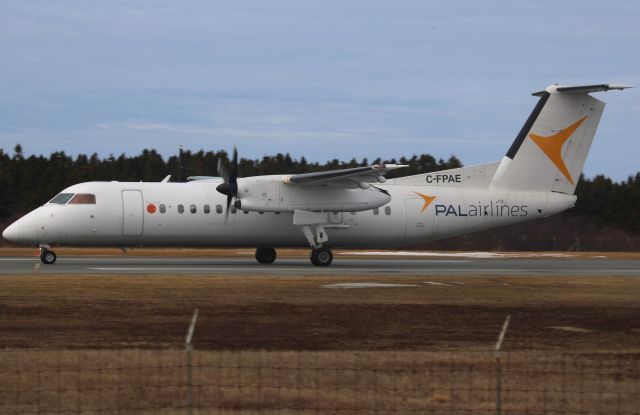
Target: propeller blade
226, 214
234, 166
180, 166
222, 171
229, 186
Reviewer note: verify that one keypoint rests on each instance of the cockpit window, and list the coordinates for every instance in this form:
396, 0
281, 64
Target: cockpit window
83, 199
62, 198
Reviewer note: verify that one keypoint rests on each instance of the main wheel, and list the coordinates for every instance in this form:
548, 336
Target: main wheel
321, 257
265, 255
48, 257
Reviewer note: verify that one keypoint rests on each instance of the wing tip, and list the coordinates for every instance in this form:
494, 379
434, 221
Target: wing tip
388, 166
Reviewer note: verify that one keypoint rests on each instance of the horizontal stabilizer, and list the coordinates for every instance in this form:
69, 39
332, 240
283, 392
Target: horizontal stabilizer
585, 89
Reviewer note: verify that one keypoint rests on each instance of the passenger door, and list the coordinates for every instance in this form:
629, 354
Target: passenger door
132, 213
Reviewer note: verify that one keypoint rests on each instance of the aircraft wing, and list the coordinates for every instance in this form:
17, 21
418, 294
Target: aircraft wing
199, 178
344, 177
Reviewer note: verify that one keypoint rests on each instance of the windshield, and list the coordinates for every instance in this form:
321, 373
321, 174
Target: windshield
83, 199
62, 198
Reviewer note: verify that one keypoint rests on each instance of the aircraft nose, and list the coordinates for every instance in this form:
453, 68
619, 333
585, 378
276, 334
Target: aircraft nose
12, 232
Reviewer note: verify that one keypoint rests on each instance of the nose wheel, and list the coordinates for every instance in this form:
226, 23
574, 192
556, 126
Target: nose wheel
321, 257
47, 257
265, 255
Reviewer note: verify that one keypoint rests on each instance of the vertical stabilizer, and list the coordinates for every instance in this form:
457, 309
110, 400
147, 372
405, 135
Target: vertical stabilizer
549, 152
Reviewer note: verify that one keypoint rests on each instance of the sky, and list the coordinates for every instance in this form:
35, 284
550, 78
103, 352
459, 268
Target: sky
320, 79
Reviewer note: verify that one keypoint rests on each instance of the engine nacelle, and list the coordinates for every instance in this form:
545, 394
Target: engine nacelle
271, 194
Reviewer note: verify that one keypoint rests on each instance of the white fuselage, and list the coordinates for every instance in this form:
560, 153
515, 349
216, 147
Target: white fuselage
149, 214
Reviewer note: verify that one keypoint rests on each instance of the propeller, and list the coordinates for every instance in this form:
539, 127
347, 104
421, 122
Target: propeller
180, 166
230, 185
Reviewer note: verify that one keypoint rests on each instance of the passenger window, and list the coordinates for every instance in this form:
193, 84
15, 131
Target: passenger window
180, 208
387, 210
192, 208
218, 208
353, 213
163, 209
261, 213
233, 209
83, 199
61, 199
376, 211
207, 209
246, 212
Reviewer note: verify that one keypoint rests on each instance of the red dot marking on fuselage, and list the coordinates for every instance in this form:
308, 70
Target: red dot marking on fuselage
151, 208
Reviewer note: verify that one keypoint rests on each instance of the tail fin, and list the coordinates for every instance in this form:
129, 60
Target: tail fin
549, 152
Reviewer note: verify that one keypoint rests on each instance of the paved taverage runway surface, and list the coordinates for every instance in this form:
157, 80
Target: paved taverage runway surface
340, 266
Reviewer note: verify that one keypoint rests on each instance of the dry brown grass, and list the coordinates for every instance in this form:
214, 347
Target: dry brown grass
261, 382
286, 345
297, 313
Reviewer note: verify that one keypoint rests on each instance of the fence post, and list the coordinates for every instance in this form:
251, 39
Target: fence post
189, 349
498, 356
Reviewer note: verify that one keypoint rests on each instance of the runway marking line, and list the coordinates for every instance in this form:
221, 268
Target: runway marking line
348, 285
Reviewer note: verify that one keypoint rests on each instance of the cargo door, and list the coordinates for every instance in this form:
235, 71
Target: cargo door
132, 212
418, 222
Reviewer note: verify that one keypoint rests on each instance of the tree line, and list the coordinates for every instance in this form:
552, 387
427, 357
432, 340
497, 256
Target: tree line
27, 182
604, 207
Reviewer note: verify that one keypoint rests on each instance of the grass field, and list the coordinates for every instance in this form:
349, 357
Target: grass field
269, 344
268, 382
300, 313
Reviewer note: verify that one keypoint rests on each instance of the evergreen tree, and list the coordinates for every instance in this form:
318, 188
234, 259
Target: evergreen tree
26, 183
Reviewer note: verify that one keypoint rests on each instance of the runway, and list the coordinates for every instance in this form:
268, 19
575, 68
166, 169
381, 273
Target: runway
340, 266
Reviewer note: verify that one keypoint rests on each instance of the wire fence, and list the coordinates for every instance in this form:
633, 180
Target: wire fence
337, 382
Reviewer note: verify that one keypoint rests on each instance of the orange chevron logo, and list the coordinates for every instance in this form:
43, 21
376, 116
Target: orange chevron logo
551, 146
427, 200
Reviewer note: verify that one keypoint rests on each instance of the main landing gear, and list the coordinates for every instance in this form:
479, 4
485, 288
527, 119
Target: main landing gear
321, 257
46, 256
312, 225
265, 255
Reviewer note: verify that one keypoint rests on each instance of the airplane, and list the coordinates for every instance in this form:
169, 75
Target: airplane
354, 207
